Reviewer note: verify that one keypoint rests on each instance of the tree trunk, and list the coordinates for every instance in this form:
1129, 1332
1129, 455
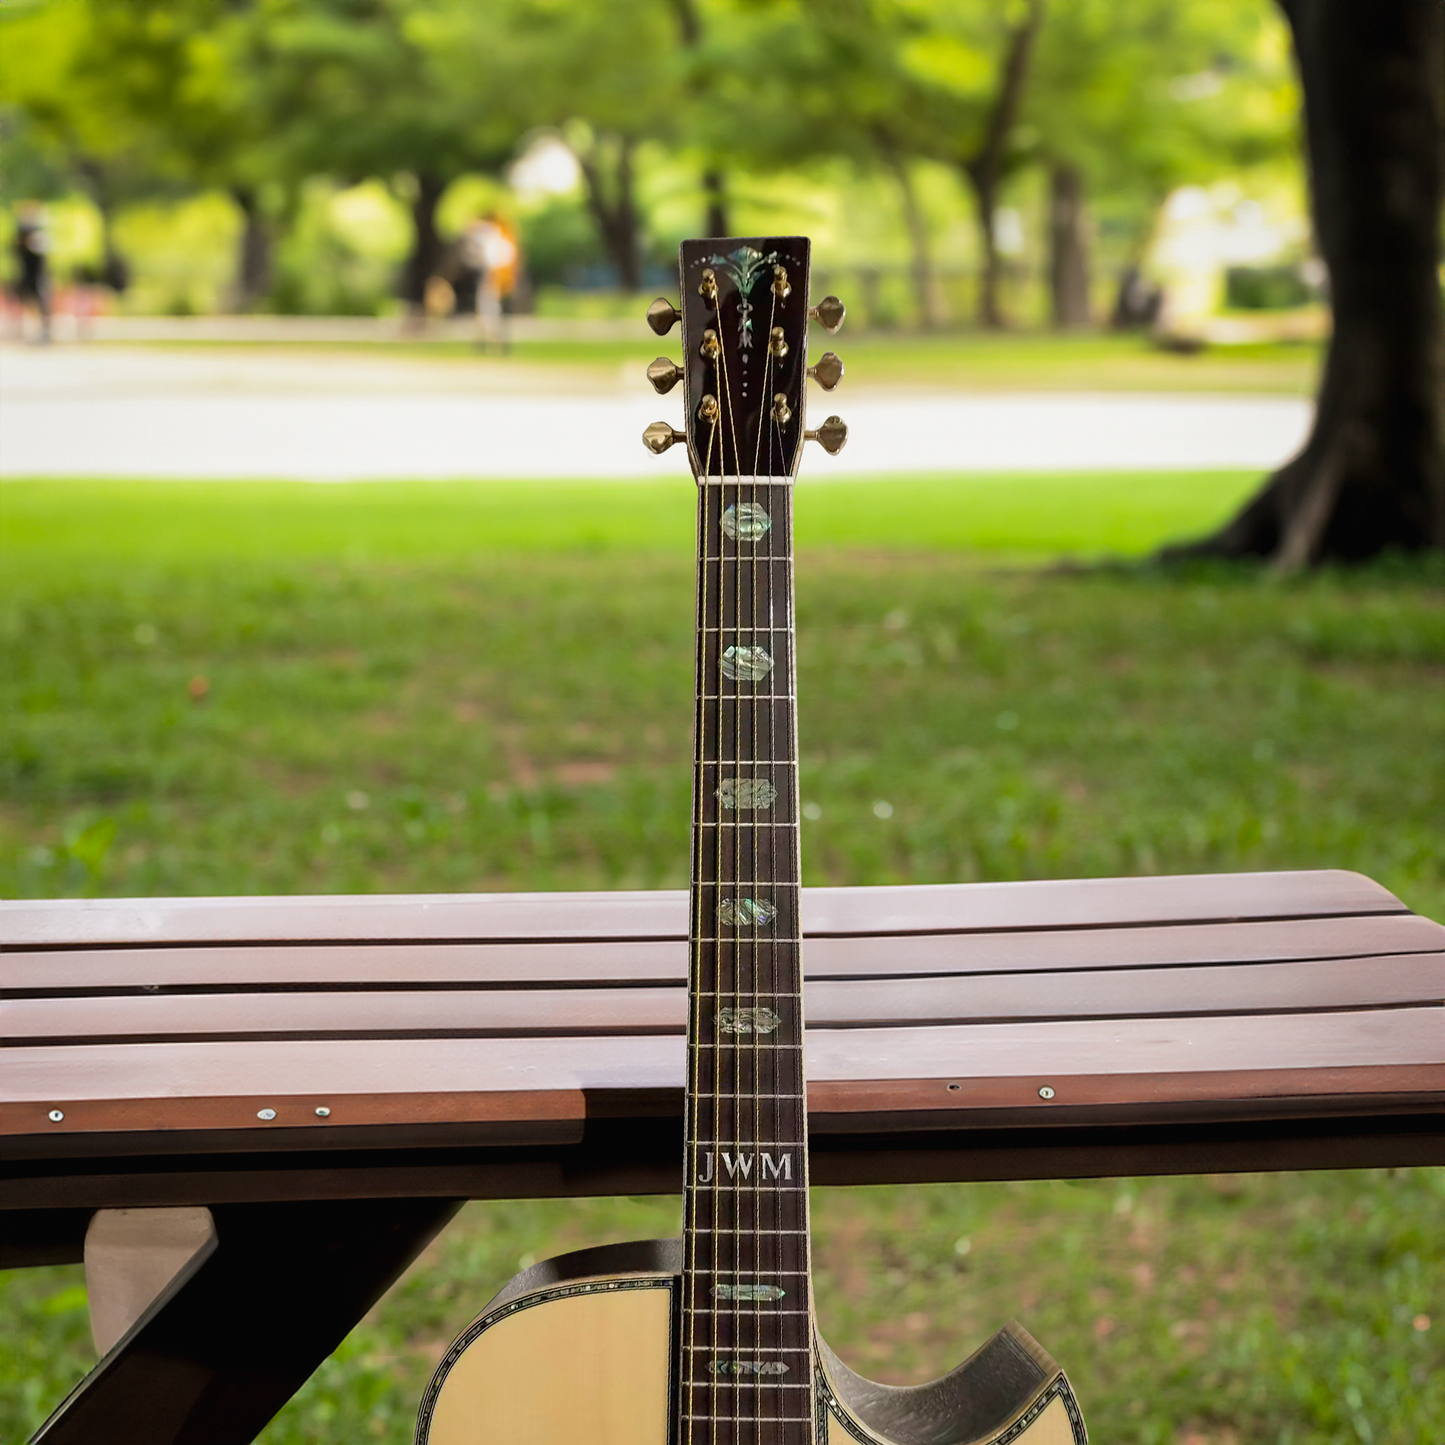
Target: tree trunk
985, 168
924, 291
1372, 474
252, 284
615, 211
1068, 250
717, 202
689, 24
428, 250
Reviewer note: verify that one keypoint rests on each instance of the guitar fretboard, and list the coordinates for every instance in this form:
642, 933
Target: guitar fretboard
746, 1310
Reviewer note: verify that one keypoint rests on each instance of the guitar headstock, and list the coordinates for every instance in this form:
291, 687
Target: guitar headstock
745, 318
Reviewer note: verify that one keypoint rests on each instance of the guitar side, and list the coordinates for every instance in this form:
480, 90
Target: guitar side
581, 1348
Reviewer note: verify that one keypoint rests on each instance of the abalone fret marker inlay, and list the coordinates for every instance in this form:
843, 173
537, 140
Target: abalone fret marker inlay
747, 664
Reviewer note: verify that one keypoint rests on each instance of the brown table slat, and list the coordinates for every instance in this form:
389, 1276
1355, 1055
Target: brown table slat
665, 960
1330, 984
834, 1106
1070, 903
1111, 1046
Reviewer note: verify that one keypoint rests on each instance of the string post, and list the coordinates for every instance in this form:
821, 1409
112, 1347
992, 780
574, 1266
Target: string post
781, 412
777, 342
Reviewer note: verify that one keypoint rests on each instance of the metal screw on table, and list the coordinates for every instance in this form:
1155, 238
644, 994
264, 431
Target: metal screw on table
1046, 1092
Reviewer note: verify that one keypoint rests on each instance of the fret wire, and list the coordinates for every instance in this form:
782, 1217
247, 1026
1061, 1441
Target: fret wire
772, 1047
759, 1348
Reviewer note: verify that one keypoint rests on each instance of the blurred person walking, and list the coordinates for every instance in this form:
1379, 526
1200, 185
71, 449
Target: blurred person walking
490, 254
32, 251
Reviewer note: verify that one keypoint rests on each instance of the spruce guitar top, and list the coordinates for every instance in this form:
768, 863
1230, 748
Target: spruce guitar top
710, 1340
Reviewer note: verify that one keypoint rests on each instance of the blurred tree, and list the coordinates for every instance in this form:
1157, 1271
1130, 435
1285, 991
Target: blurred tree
607, 87
1372, 473
1132, 98
699, 93
885, 84
64, 126
415, 92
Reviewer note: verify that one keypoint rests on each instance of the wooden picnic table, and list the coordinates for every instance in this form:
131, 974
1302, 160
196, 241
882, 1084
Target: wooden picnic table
331, 1077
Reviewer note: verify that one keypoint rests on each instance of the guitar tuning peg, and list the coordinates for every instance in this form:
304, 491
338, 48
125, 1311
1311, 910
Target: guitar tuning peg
829, 311
830, 436
662, 316
663, 374
827, 371
659, 436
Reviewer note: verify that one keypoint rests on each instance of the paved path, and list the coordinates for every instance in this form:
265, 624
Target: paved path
110, 411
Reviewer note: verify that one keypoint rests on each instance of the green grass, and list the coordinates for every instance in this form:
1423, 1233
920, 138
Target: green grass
972, 361
436, 687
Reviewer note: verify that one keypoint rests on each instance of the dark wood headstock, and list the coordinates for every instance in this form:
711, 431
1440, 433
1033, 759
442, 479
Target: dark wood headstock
745, 341
745, 317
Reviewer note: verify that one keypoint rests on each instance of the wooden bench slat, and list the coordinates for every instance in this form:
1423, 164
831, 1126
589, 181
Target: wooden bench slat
1062, 903
1209, 989
540, 1116
1113, 1046
665, 961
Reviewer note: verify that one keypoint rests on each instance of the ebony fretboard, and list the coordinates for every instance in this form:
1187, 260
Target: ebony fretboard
746, 1317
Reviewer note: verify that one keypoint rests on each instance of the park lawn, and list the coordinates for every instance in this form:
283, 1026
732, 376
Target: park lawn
961, 360
223, 688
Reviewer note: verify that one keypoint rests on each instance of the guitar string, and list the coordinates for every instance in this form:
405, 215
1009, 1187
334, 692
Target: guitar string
771, 870
726, 405
699, 870
796, 1061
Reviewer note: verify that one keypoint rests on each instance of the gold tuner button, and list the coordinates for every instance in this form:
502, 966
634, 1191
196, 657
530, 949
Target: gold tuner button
781, 412
663, 374
782, 287
659, 436
777, 342
662, 316
830, 311
827, 371
830, 436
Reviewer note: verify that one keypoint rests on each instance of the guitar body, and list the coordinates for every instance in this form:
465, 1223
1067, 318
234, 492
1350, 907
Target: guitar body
580, 1350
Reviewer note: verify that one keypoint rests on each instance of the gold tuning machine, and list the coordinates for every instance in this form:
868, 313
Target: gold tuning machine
827, 371
829, 311
662, 316
659, 436
830, 436
664, 375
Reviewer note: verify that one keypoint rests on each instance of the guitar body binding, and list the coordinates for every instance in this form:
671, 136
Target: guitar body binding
583, 1347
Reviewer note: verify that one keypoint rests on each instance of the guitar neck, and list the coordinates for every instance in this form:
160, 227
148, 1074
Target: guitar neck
746, 1286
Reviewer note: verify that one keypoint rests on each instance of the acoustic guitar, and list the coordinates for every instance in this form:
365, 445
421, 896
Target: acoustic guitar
710, 1340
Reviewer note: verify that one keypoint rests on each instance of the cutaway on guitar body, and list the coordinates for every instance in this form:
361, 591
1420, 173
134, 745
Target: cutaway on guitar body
582, 1349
